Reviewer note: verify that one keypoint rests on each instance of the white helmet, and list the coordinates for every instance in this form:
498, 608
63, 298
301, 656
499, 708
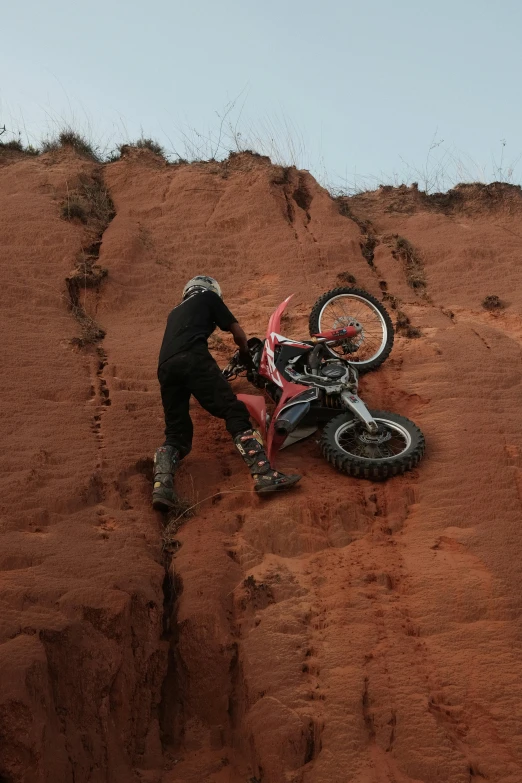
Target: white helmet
202, 283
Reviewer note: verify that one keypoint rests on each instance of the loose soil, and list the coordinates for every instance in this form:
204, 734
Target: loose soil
348, 632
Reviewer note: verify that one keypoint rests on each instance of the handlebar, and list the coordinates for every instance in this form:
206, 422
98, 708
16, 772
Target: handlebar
234, 368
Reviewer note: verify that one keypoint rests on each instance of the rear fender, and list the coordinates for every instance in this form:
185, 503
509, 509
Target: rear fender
267, 367
274, 324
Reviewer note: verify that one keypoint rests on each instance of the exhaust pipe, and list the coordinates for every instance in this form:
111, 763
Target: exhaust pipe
290, 417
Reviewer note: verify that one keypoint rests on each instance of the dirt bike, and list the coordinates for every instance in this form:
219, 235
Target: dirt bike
315, 382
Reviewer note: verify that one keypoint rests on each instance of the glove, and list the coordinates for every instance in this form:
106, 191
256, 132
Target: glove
246, 360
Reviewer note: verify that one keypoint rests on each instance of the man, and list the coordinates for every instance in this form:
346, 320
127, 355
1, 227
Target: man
186, 368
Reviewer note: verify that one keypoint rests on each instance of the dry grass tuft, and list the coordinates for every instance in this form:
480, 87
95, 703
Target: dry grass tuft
492, 302
143, 144
183, 510
15, 145
89, 201
68, 138
73, 208
150, 144
92, 332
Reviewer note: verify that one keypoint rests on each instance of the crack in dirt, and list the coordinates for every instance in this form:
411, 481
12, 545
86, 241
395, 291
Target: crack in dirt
412, 262
171, 704
488, 346
366, 711
414, 268
370, 240
89, 276
403, 325
303, 198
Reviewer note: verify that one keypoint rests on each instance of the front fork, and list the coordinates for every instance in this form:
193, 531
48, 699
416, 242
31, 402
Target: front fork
359, 409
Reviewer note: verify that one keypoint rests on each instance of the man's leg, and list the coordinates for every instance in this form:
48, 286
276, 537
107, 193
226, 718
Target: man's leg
214, 394
178, 435
178, 424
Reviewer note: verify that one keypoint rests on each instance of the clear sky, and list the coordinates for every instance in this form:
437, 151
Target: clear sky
356, 91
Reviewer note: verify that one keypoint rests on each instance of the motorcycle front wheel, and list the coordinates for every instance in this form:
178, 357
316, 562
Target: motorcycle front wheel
397, 447
346, 306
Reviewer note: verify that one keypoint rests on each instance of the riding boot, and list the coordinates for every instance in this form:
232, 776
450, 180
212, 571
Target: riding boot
250, 445
166, 461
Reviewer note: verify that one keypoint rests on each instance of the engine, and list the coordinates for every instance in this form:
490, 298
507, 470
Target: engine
333, 371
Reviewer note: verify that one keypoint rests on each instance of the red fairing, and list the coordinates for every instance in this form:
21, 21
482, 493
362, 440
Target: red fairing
268, 370
257, 409
339, 334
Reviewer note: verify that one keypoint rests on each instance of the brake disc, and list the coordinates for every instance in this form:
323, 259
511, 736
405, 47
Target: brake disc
374, 440
352, 345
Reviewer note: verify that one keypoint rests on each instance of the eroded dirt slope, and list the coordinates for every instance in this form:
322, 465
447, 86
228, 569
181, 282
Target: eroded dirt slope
349, 631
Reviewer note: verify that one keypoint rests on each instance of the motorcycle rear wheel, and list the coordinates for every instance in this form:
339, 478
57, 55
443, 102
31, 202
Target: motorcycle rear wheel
341, 307
348, 446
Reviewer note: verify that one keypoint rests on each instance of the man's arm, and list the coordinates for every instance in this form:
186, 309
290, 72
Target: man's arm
240, 340
226, 321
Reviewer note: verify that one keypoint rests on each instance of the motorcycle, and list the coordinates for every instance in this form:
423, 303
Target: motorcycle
314, 382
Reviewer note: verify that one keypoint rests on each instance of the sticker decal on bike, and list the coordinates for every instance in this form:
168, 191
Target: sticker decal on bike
269, 348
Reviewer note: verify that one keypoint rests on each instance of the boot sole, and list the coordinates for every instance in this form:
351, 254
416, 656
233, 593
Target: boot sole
279, 487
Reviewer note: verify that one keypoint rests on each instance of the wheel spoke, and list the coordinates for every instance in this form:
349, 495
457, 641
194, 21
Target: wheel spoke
392, 440
343, 309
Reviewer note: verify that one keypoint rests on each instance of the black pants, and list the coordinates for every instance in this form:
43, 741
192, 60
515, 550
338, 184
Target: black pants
195, 372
